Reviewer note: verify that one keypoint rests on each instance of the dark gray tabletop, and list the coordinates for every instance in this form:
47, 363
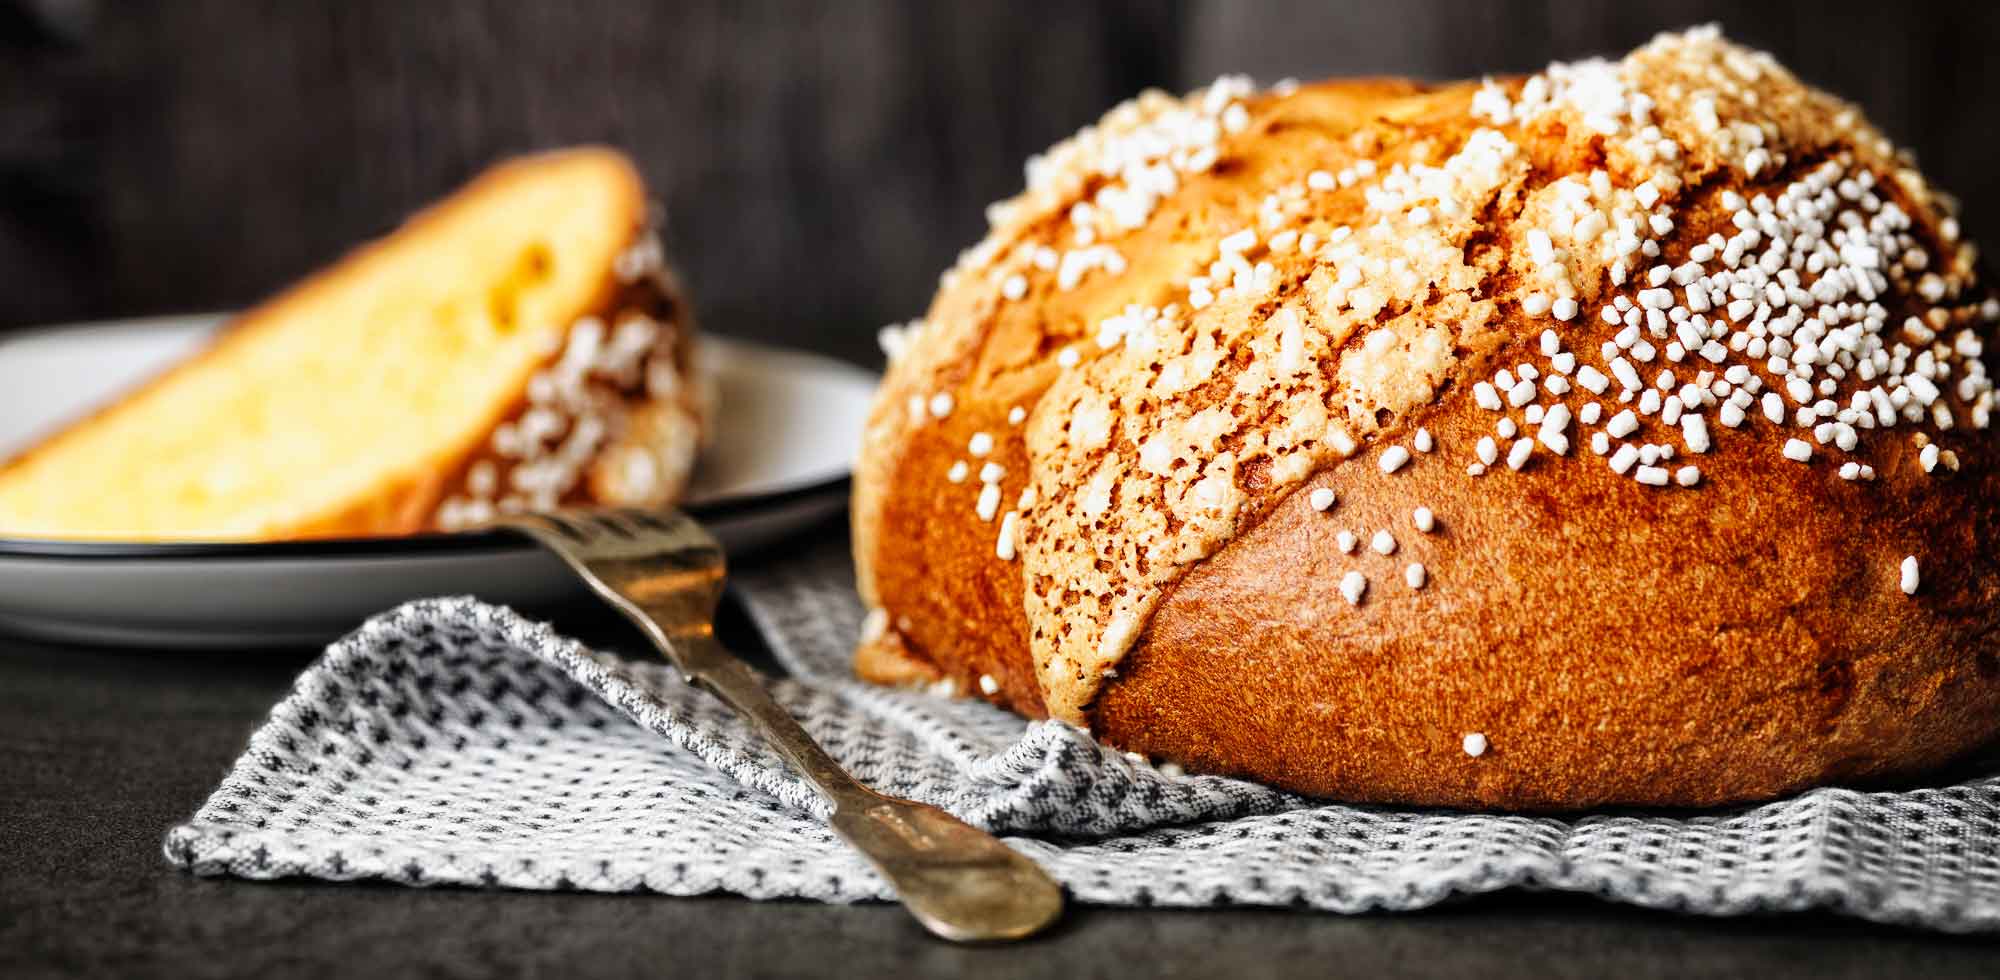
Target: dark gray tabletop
103, 750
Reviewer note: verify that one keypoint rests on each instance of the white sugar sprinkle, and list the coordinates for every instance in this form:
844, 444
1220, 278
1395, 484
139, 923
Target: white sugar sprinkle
1414, 576
1393, 459
1004, 546
1487, 396
1383, 542
1909, 575
1517, 456
958, 472
1321, 498
1424, 519
1353, 586
1798, 450
1694, 432
1423, 441
1555, 424
1474, 745
988, 686
1346, 541
979, 445
1627, 375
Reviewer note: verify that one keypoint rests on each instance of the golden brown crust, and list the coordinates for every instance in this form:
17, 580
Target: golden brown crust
1738, 632
1615, 644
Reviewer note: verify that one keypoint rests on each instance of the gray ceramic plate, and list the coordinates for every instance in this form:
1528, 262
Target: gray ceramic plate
787, 428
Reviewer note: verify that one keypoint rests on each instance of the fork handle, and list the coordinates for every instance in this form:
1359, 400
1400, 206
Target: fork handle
665, 575
705, 661
962, 883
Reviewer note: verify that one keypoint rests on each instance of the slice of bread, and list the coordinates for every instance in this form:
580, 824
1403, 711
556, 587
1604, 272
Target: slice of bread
520, 344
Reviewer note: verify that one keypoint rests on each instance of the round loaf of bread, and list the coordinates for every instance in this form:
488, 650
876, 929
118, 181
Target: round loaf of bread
1615, 435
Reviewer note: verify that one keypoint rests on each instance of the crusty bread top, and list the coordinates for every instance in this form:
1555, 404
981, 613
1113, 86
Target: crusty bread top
1200, 302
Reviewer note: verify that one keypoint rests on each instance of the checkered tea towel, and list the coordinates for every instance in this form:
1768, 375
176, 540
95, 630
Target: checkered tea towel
448, 741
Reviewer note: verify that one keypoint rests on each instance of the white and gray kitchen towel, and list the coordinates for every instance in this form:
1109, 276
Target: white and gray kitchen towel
452, 742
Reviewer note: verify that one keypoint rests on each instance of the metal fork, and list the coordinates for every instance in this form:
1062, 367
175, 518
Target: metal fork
666, 574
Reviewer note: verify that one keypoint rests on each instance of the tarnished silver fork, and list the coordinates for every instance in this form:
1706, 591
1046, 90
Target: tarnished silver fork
666, 574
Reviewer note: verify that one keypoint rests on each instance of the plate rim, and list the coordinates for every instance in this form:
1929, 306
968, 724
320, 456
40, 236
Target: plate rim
380, 546
383, 546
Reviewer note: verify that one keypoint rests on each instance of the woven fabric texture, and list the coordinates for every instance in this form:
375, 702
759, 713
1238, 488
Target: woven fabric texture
453, 742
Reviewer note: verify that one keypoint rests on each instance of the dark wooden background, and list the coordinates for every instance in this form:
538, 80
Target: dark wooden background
819, 162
